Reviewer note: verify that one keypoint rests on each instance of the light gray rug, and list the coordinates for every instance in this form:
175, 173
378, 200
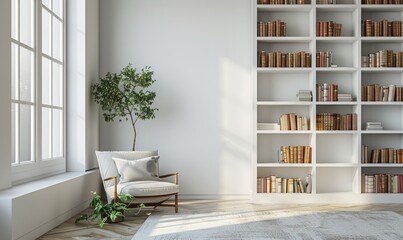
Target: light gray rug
274, 225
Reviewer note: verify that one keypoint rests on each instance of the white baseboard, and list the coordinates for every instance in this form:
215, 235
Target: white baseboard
214, 196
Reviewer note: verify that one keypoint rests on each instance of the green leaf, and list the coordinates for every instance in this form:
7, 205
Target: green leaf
83, 217
101, 223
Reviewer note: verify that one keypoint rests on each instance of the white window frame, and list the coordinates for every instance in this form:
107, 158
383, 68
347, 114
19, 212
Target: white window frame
39, 168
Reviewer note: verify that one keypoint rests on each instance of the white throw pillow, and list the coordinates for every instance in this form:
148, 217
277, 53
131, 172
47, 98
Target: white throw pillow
144, 169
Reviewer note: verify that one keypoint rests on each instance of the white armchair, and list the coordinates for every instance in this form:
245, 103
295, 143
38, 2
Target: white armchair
137, 174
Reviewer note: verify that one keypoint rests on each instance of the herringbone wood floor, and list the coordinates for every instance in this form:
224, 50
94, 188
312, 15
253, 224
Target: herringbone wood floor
127, 229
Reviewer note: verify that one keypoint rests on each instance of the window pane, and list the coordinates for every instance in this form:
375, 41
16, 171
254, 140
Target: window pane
14, 19
14, 71
27, 75
14, 132
57, 39
26, 133
57, 133
46, 81
47, 3
46, 133
57, 85
58, 8
27, 20
46, 32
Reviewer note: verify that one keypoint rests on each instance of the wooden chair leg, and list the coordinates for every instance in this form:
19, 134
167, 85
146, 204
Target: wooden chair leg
176, 203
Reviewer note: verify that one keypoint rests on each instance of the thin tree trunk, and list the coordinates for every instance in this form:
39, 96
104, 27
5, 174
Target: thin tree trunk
134, 138
134, 129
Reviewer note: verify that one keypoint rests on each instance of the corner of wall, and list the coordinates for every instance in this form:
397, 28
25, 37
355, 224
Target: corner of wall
83, 70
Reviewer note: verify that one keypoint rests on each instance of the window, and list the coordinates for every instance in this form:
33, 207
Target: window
37, 55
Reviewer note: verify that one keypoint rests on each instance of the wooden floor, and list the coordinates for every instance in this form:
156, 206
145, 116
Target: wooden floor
126, 229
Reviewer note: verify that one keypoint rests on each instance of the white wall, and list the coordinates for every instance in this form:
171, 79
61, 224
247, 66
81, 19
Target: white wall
201, 54
5, 94
82, 71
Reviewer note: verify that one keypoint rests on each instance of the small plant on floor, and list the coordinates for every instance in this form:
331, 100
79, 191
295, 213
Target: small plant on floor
107, 212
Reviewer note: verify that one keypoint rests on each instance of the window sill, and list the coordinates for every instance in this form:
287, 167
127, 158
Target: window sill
30, 187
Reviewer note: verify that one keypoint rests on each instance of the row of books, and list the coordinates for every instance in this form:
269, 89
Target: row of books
328, 29
383, 58
379, 93
382, 28
336, 121
275, 2
304, 95
381, 183
275, 28
383, 155
273, 184
296, 154
280, 59
324, 59
382, 1
293, 122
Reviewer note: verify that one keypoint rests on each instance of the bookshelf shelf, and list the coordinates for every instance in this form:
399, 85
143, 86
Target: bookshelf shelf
385, 165
337, 69
283, 103
282, 132
382, 103
284, 70
382, 132
384, 69
337, 165
336, 132
336, 172
283, 165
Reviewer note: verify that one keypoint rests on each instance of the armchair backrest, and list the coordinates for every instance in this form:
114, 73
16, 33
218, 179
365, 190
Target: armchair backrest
107, 166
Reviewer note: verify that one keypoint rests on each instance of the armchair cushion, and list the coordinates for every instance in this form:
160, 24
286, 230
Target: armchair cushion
146, 188
146, 191
145, 169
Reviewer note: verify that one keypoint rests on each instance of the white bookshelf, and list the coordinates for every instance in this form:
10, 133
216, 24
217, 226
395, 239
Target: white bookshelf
336, 166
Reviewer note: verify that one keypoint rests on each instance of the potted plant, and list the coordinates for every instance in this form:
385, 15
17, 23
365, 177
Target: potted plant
124, 95
107, 212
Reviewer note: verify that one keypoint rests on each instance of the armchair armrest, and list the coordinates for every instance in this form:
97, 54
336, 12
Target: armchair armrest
176, 175
115, 190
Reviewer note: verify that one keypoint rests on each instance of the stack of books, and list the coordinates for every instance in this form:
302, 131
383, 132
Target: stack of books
345, 97
268, 126
304, 95
374, 126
